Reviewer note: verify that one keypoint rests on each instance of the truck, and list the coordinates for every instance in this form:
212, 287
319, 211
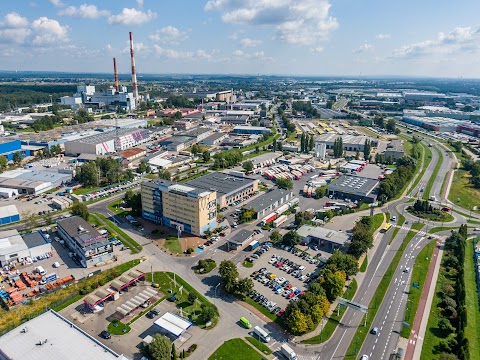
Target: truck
279, 221
288, 352
261, 334
253, 245
50, 277
40, 270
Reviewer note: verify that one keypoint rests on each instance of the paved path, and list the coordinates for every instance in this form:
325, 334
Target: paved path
417, 334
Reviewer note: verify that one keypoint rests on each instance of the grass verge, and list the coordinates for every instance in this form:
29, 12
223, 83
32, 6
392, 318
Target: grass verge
428, 187
86, 190
172, 244
259, 345
125, 239
419, 273
247, 264
363, 268
377, 221
118, 328
462, 193
472, 330
442, 228
235, 349
374, 305
333, 320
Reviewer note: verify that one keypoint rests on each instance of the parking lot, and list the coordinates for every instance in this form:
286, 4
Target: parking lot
280, 275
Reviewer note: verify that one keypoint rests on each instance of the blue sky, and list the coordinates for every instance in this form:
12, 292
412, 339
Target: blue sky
290, 37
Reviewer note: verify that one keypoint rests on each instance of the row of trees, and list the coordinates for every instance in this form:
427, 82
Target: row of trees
12, 96
393, 183
102, 170
227, 158
473, 167
305, 107
362, 237
453, 319
338, 147
307, 143
231, 279
390, 125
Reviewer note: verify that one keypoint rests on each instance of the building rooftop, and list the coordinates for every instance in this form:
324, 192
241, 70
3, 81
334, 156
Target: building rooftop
267, 199
131, 152
220, 182
240, 237
11, 242
109, 135
34, 239
323, 233
8, 210
347, 139
196, 131
214, 137
395, 145
50, 336
355, 185
82, 232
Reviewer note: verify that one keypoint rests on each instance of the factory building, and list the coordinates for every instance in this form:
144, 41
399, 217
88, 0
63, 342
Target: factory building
350, 142
229, 187
84, 241
9, 214
394, 150
269, 201
8, 147
214, 139
354, 188
108, 142
251, 130
235, 119
110, 99
330, 240
15, 248
184, 207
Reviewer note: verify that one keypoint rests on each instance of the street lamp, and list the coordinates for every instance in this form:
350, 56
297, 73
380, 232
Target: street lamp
215, 297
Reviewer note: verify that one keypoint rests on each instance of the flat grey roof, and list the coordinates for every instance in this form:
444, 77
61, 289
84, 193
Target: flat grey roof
395, 145
347, 139
355, 185
240, 237
214, 136
110, 135
34, 239
220, 182
50, 336
267, 199
82, 232
323, 234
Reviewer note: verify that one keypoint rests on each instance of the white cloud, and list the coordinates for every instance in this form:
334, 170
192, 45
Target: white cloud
171, 53
240, 55
131, 16
48, 31
300, 22
57, 3
459, 40
317, 50
169, 34
364, 48
14, 20
140, 3
382, 36
84, 11
247, 42
14, 29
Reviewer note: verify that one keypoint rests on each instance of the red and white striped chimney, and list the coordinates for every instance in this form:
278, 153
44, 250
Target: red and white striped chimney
115, 74
134, 71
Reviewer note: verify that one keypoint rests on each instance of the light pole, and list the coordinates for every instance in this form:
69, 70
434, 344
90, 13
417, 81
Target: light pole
215, 297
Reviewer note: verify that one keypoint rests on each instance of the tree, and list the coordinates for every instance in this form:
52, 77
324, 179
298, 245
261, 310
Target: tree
195, 149
17, 157
367, 148
248, 166
229, 274
320, 192
275, 237
247, 215
302, 143
445, 325
338, 147
160, 348
244, 286
296, 322
174, 352
391, 125
291, 238
142, 167
284, 183
206, 156
311, 143
192, 297
164, 174
357, 154
3, 162
80, 209
333, 283
342, 262
208, 312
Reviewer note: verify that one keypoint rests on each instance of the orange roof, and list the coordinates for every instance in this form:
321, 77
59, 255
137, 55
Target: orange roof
131, 152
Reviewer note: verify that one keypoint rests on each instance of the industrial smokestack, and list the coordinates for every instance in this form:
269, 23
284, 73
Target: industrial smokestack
134, 71
115, 73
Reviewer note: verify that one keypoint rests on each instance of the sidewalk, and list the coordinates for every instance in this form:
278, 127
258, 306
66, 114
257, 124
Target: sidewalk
417, 335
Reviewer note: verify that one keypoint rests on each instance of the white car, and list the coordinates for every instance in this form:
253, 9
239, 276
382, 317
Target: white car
56, 264
272, 260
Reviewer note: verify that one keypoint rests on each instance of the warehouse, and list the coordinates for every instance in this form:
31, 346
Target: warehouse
239, 239
350, 142
51, 336
8, 147
178, 143
269, 201
214, 139
8, 193
229, 187
86, 242
330, 239
198, 133
354, 188
37, 244
132, 154
15, 248
394, 150
107, 142
251, 130
27, 181
9, 214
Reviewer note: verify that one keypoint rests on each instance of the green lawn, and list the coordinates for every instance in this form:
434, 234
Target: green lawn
124, 238
235, 349
114, 207
377, 221
442, 228
363, 268
259, 345
462, 190
419, 274
472, 330
428, 187
86, 189
172, 243
118, 328
362, 331
247, 264
333, 320
442, 217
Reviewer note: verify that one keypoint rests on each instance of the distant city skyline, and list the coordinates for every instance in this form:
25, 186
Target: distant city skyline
282, 37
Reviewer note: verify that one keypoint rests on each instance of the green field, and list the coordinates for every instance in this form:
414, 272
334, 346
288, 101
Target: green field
235, 349
462, 190
172, 243
419, 274
86, 189
428, 187
472, 330
333, 320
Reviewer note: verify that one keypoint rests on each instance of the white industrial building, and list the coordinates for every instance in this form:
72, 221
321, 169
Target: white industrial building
8, 193
15, 248
109, 99
350, 143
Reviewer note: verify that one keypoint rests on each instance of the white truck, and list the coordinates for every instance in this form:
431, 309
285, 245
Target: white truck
261, 334
288, 352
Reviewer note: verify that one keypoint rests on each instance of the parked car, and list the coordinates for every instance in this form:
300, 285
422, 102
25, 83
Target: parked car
105, 334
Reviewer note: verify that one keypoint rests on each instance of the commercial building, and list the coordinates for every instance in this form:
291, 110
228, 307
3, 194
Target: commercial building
229, 187
132, 154
214, 139
350, 142
51, 336
9, 214
394, 150
15, 248
269, 201
187, 208
8, 147
354, 188
107, 142
27, 181
235, 119
199, 133
86, 242
330, 239
178, 143
251, 130
240, 239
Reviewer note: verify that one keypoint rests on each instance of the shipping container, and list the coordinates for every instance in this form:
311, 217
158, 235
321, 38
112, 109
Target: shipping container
279, 221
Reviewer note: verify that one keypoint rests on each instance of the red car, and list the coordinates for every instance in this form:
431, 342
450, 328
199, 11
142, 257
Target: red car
208, 243
280, 264
303, 243
290, 296
288, 287
280, 313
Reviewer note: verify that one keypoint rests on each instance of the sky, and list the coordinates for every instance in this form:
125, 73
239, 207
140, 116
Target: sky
437, 38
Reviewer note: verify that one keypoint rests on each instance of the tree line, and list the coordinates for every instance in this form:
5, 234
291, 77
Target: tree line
393, 183
307, 143
101, 171
305, 107
473, 167
13, 96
